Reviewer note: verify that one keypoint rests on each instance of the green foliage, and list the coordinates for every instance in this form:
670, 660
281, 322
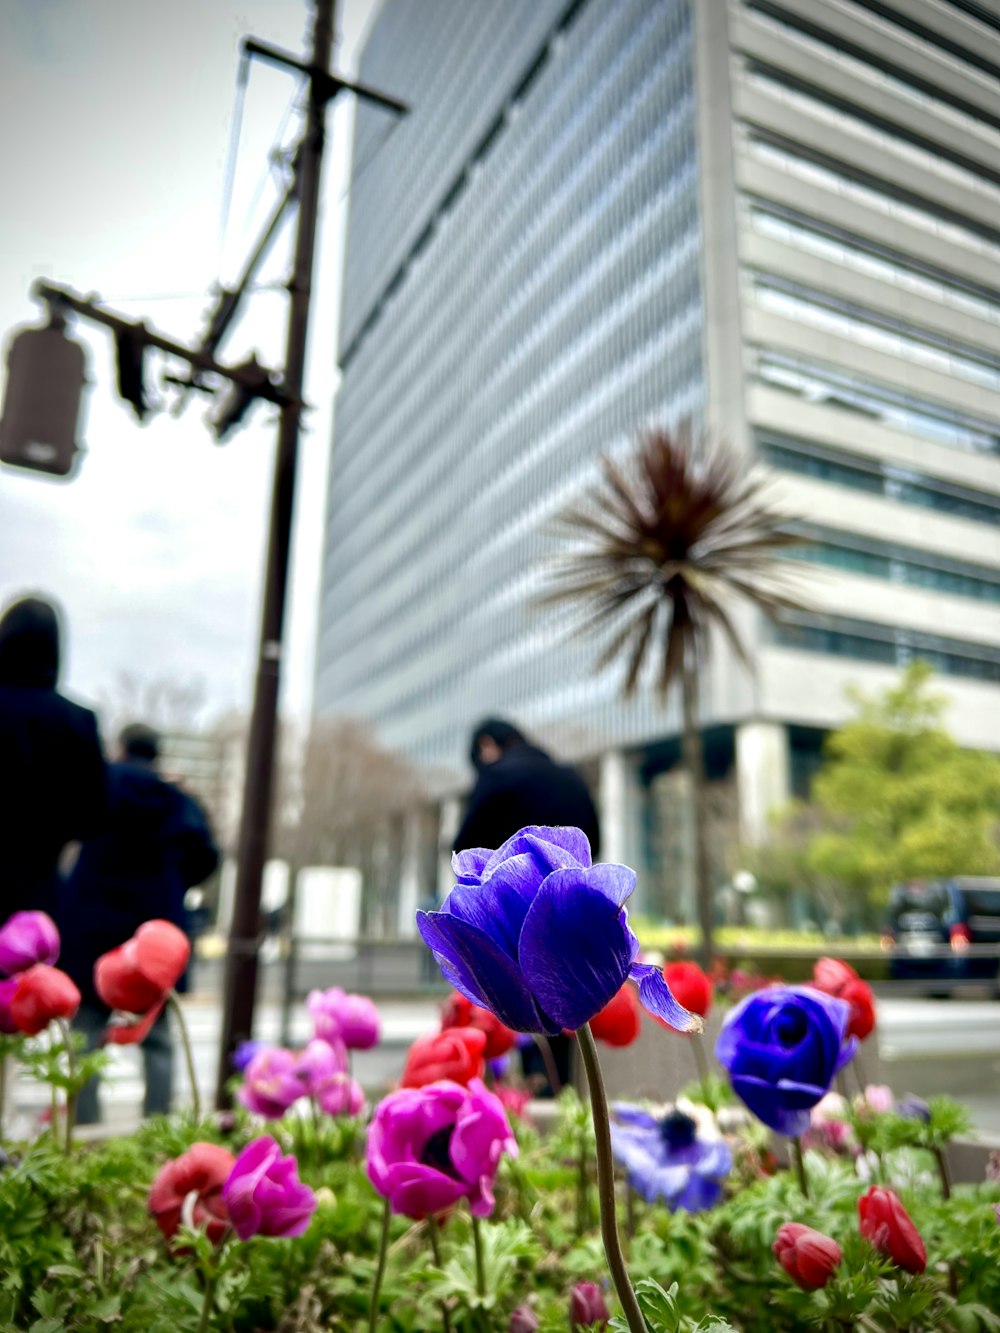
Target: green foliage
78, 1251
897, 798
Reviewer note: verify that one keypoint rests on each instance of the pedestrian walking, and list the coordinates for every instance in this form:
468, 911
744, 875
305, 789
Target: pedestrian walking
518, 784
158, 844
54, 786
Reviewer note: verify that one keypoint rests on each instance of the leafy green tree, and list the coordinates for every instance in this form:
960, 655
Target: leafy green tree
900, 799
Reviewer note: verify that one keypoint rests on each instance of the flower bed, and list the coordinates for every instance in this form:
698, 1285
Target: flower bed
442, 1207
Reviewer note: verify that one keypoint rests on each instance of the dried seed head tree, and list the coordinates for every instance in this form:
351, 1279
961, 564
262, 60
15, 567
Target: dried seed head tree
655, 554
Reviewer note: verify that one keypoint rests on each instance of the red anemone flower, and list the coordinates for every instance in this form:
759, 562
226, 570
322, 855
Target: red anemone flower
619, 1022
137, 977
460, 1012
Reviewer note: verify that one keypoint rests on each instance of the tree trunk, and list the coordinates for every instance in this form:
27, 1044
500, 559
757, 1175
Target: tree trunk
694, 762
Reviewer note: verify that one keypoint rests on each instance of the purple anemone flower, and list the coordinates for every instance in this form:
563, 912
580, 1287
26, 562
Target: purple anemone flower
430, 1147
782, 1047
664, 1159
539, 936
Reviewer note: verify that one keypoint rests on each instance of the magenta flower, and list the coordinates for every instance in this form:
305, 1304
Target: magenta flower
318, 1063
341, 1095
338, 1016
587, 1307
27, 938
272, 1083
7, 1025
264, 1195
430, 1147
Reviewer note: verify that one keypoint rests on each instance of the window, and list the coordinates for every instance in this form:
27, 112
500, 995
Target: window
821, 383
861, 256
882, 333
869, 642
857, 554
830, 174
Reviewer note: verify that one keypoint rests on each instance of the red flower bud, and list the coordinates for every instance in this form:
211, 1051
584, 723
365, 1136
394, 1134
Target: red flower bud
690, 986
137, 975
460, 1012
619, 1022
523, 1320
587, 1307
837, 978
456, 1054
885, 1222
42, 994
807, 1256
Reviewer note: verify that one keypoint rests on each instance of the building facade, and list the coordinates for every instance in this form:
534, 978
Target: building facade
780, 219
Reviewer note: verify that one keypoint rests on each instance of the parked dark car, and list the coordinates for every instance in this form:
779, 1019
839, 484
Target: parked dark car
945, 931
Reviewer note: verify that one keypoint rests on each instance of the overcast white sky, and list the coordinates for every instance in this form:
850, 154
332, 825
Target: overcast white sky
114, 127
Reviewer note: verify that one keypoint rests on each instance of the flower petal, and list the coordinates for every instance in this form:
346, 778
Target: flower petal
784, 1107
475, 965
552, 848
575, 948
655, 995
467, 866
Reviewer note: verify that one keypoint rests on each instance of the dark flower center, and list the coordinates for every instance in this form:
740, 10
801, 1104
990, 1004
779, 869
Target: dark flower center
790, 1026
435, 1152
677, 1130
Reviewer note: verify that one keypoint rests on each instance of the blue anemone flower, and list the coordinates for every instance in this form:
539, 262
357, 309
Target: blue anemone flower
539, 936
664, 1159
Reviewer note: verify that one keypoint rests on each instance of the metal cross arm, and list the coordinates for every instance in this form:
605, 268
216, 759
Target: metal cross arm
325, 84
246, 376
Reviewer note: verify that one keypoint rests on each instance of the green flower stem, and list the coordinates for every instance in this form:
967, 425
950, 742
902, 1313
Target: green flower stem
800, 1166
582, 1183
606, 1183
431, 1226
174, 1003
207, 1301
72, 1092
477, 1237
3, 1081
548, 1060
383, 1246
699, 1059
941, 1159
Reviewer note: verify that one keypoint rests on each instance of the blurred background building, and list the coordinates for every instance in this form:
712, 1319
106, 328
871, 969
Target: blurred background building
782, 219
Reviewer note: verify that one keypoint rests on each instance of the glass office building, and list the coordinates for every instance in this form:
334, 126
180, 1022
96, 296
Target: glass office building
780, 219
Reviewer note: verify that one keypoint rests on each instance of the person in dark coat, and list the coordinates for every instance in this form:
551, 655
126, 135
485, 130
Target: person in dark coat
54, 785
158, 845
518, 784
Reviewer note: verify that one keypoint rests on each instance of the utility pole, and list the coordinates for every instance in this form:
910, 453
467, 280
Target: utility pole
240, 988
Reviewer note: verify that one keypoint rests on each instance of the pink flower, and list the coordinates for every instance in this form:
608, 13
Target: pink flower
318, 1063
264, 1195
190, 1188
271, 1083
341, 1095
429, 1147
27, 938
587, 1307
351, 1019
878, 1098
828, 1127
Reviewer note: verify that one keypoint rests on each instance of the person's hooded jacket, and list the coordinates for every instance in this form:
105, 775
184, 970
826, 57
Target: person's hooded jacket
53, 787
158, 844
